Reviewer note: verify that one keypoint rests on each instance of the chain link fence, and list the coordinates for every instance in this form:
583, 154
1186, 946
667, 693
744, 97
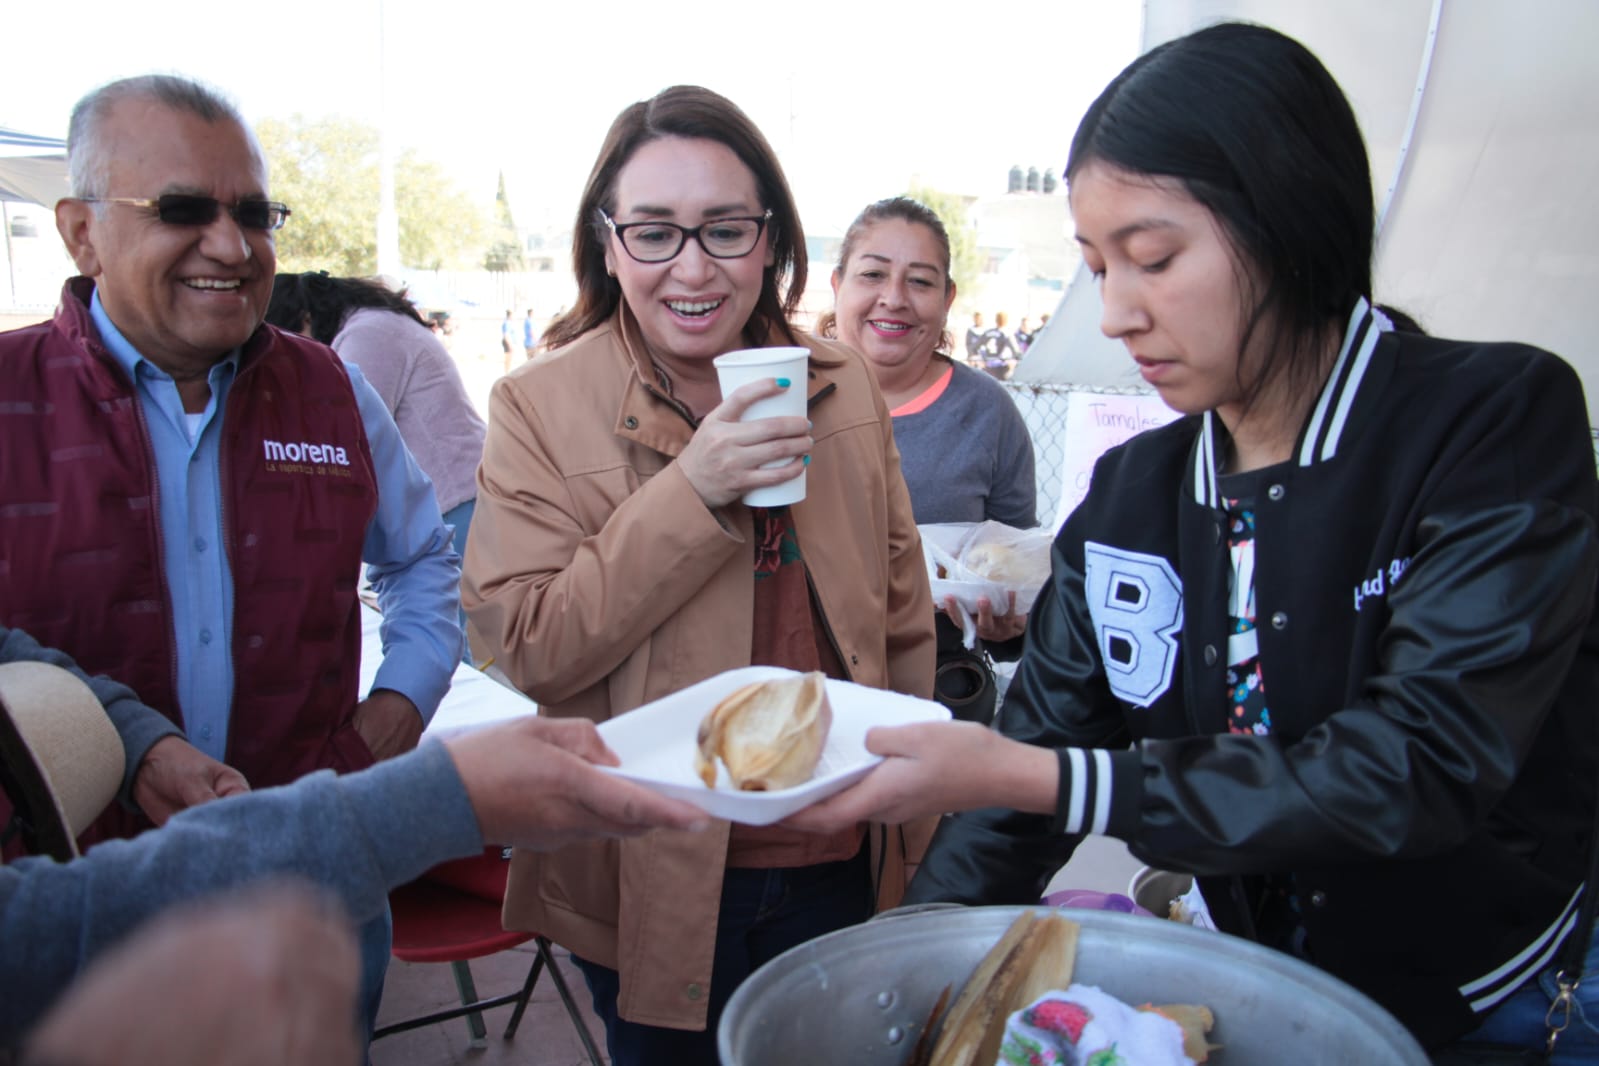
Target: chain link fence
1044, 409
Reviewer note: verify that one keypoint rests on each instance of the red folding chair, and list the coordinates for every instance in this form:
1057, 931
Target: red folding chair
452, 914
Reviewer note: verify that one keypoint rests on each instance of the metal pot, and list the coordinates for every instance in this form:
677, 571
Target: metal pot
862, 995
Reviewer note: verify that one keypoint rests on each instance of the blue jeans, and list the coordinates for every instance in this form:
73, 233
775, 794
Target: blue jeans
1519, 1020
460, 516
375, 939
763, 914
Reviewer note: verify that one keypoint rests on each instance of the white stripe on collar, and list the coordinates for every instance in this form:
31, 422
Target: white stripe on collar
1327, 421
1366, 325
1205, 490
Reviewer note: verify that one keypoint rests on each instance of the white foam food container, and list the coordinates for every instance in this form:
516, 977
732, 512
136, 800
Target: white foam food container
657, 743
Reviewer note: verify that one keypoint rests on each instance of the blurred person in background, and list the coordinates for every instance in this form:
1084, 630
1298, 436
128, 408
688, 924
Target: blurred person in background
964, 449
974, 340
377, 329
999, 350
612, 561
507, 345
1024, 335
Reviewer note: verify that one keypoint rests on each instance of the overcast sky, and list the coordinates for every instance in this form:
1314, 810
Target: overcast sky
858, 97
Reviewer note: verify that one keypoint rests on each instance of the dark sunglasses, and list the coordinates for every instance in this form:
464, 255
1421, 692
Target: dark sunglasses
182, 209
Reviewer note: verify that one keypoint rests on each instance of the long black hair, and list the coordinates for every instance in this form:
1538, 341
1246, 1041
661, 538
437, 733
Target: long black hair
322, 302
1256, 130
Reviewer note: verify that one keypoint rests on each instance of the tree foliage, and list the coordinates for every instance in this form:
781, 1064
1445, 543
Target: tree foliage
965, 259
505, 253
326, 170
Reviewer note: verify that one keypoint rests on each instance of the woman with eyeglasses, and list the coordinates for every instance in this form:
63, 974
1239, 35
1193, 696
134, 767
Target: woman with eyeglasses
611, 562
966, 452
1329, 641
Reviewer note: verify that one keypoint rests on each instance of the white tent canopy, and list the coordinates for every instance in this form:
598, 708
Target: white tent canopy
1482, 122
32, 169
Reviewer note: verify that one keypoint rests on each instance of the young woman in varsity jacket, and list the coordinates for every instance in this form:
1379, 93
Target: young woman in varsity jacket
1328, 643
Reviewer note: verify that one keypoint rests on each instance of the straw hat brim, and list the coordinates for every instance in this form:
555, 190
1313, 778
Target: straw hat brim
60, 750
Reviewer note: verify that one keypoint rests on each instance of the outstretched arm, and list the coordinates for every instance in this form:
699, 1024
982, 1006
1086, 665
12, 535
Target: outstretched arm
533, 784
359, 835
936, 767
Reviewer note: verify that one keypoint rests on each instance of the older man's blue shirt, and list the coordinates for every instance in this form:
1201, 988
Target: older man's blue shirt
410, 561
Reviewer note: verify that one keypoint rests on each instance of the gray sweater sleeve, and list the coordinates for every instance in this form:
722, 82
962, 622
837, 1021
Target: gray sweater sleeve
138, 725
357, 835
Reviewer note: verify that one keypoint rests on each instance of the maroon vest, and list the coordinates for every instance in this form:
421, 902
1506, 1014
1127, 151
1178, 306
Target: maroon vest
81, 564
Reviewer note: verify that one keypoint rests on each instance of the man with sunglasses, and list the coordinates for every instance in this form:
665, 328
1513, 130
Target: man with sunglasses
188, 495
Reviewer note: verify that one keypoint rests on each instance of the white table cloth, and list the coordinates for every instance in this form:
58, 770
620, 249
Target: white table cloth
474, 699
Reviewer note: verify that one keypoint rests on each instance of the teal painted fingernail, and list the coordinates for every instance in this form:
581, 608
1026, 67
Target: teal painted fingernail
783, 383
807, 460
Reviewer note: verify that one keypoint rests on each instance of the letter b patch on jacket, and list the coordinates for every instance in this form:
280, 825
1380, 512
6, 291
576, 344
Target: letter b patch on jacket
1136, 602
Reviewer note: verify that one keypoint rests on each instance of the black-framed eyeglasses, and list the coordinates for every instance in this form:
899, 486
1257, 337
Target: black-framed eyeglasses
657, 242
183, 209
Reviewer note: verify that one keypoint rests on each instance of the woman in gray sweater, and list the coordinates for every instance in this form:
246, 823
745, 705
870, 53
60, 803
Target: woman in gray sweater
963, 446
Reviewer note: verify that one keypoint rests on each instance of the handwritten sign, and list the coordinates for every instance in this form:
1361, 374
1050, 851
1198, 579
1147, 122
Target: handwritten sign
1095, 423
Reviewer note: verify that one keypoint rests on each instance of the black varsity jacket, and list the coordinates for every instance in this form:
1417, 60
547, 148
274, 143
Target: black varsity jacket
1425, 588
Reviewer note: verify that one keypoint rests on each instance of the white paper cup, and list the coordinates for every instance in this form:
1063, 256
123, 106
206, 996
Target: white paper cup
736, 369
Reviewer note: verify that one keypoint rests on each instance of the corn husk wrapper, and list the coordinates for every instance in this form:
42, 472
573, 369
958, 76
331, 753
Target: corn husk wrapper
1035, 955
769, 735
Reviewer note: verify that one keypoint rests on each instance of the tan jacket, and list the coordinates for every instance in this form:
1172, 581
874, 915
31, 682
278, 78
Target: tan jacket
600, 581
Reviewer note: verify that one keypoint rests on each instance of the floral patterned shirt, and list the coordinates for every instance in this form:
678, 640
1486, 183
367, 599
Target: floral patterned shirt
1246, 687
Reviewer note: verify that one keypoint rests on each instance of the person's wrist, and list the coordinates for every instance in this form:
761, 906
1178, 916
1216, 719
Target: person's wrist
1035, 779
1030, 775
471, 772
1044, 781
